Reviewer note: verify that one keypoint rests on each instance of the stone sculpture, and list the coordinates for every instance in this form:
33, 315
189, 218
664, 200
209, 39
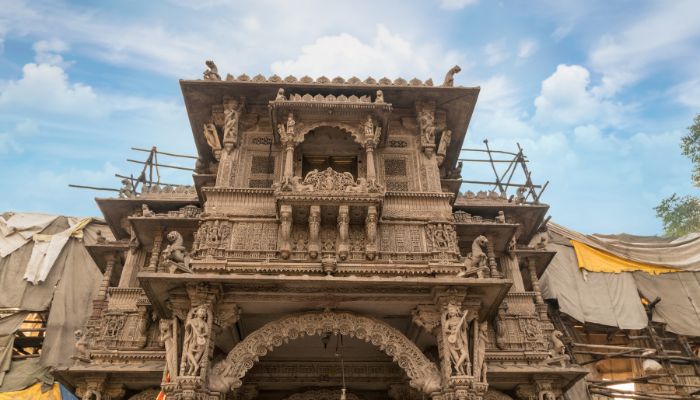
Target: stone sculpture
175, 255
475, 262
450, 76
445, 140
146, 212
380, 97
168, 338
454, 328
127, 189
480, 352
82, 353
212, 72
194, 345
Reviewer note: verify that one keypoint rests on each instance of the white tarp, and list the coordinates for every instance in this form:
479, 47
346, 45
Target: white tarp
16, 229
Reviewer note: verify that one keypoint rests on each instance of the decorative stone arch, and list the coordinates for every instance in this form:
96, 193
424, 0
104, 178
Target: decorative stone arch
353, 130
227, 374
322, 394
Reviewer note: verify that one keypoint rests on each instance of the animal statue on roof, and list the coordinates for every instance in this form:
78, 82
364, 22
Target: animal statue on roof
175, 256
450, 76
212, 72
475, 262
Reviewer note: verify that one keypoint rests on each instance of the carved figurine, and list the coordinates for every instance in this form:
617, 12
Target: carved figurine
298, 186
539, 241
480, 352
454, 326
169, 340
445, 140
82, 353
212, 72
368, 127
92, 394
558, 352
456, 173
520, 195
175, 253
127, 189
380, 97
232, 115
194, 345
146, 212
475, 262
360, 187
280, 95
290, 124
450, 76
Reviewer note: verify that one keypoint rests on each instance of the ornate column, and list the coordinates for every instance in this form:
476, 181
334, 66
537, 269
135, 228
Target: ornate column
371, 232
285, 230
314, 227
462, 340
288, 137
343, 231
371, 171
99, 303
493, 267
155, 252
539, 301
192, 377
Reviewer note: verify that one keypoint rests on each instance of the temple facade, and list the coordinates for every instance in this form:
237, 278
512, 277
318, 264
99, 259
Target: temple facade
323, 252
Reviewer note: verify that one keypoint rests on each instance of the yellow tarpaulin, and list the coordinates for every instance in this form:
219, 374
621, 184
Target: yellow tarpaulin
595, 260
33, 393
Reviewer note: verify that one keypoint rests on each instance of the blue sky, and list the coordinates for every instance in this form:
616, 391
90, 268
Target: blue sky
598, 94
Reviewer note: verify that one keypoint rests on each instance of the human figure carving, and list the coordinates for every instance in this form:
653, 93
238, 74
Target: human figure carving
280, 95
359, 187
480, 353
146, 212
454, 325
475, 262
445, 140
232, 114
212, 136
195, 341
167, 337
212, 72
127, 189
450, 76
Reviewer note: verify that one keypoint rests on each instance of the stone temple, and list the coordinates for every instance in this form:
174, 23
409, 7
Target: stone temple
322, 253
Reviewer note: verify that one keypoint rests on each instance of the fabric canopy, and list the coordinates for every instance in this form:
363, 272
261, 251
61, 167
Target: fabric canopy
682, 253
595, 260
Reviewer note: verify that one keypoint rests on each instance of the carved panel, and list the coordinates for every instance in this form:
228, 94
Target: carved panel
417, 206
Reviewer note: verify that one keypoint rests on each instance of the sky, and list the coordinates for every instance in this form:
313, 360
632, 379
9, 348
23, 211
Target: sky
597, 93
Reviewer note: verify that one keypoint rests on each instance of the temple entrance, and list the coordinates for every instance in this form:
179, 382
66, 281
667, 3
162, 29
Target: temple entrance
306, 351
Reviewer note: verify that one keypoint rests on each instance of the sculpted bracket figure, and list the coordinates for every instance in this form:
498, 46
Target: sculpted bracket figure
456, 341
194, 345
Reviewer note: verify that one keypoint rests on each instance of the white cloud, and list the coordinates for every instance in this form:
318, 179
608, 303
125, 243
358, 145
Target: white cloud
561, 32
345, 55
687, 93
46, 87
48, 52
495, 52
456, 4
666, 31
567, 98
527, 48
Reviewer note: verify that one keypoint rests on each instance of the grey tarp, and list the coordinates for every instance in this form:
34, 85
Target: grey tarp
600, 298
71, 304
679, 307
25, 373
8, 326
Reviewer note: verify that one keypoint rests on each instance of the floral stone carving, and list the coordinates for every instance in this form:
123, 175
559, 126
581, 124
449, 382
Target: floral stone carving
228, 374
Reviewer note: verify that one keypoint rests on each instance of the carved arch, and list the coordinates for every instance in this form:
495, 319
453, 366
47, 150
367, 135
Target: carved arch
228, 374
353, 130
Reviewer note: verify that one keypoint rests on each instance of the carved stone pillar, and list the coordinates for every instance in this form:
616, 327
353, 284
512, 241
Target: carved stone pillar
371, 171
540, 306
285, 231
229, 156
314, 227
155, 252
134, 262
191, 381
343, 231
491, 254
371, 232
288, 160
425, 114
99, 303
